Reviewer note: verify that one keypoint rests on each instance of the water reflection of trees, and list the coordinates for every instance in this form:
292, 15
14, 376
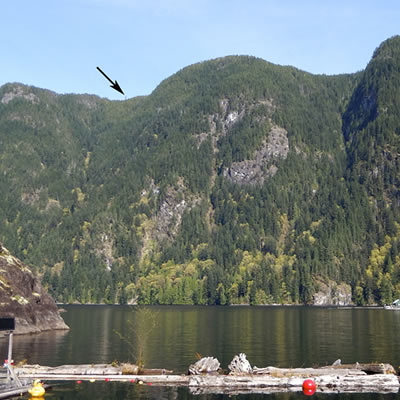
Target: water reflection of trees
278, 336
35, 348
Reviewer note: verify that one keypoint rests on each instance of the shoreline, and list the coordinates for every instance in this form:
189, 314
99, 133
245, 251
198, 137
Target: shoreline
327, 306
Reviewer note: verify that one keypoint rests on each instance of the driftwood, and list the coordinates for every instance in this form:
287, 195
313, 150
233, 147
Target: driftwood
373, 368
343, 370
204, 365
154, 371
240, 365
339, 383
343, 378
82, 369
306, 372
88, 369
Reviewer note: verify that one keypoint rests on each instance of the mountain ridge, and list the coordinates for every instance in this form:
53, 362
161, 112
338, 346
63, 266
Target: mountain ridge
235, 181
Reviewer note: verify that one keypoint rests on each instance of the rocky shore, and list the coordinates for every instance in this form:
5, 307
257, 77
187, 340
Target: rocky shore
23, 297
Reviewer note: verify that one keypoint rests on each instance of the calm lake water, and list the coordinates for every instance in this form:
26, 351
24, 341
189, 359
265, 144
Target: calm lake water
170, 336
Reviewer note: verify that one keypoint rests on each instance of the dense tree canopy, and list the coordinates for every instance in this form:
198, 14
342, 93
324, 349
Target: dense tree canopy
135, 201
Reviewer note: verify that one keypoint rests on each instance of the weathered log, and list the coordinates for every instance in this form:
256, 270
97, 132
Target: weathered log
372, 383
305, 372
369, 368
235, 391
262, 380
154, 371
82, 369
129, 369
89, 369
204, 365
240, 365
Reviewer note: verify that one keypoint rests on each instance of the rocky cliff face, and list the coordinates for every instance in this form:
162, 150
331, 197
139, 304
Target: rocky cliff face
331, 293
23, 297
262, 166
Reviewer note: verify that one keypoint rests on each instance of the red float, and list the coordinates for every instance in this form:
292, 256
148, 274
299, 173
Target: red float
309, 387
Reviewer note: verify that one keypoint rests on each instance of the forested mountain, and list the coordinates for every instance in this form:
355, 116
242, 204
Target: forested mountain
235, 181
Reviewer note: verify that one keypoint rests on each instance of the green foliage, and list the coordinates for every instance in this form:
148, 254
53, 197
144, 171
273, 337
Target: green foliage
140, 324
118, 202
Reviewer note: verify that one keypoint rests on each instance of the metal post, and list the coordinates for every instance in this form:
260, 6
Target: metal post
9, 358
11, 377
10, 343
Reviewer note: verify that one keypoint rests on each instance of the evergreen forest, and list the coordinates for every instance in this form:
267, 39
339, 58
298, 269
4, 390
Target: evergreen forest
236, 181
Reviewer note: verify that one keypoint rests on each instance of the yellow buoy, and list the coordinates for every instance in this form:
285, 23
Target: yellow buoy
37, 390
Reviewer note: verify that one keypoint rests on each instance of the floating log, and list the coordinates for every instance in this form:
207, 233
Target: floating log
306, 372
261, 380
340, 383
369, 368
89, 369
82, 369
153, 371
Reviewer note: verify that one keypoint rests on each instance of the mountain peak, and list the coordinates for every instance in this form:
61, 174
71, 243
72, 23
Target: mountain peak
388, 49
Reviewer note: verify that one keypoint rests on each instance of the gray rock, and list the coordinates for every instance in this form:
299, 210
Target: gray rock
262, 165
23, 298
332, 293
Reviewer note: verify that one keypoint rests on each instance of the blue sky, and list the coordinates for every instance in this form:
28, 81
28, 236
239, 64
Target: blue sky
57, 44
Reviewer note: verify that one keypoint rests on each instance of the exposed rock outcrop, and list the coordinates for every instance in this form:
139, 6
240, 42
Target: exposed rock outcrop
262, 165
164, 225
20, 91
331, 293
175, 202
23, 297
222, 122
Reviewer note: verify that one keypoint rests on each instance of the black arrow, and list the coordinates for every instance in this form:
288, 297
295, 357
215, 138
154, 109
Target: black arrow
114, 85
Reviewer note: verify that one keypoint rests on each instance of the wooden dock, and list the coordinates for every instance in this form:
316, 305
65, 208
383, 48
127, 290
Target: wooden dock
262, 380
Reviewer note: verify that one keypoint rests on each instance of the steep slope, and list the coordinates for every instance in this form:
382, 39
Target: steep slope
372, 129
23, 298
235, 149
235, 181
372, 122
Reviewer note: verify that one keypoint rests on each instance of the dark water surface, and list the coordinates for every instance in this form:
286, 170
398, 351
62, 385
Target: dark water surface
169, 337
